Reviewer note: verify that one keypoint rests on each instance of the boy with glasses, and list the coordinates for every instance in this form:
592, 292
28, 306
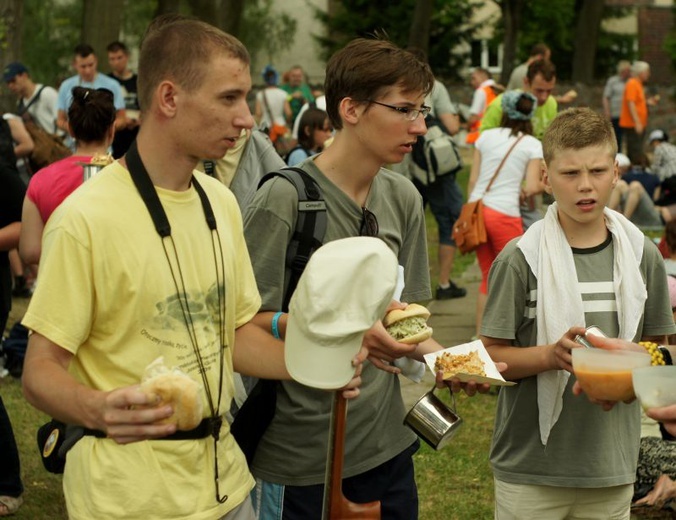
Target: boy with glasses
375, 93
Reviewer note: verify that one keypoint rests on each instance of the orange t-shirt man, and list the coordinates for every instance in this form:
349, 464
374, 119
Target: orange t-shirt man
633, 91
473, 133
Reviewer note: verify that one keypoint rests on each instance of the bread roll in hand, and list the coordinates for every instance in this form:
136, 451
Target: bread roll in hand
408, 325
175, 388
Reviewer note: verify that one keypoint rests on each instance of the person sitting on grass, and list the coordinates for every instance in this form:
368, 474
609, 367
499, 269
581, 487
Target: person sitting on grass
635, 195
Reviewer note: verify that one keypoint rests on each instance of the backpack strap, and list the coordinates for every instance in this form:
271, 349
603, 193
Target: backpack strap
310, 224
22, 109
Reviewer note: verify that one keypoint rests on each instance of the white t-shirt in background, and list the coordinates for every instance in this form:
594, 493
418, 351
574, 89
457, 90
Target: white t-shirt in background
504, 193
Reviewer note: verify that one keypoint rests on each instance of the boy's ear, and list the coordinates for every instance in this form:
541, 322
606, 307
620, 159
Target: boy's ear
350, 110
545, 178
616, 173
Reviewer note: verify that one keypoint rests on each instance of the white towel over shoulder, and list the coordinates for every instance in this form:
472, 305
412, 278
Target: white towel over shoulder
559, 302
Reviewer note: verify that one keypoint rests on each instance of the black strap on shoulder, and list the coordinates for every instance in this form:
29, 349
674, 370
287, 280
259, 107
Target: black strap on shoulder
146, 189
24, 108
310, 224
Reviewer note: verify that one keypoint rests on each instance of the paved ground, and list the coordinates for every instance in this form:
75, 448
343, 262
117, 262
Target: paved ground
453, 322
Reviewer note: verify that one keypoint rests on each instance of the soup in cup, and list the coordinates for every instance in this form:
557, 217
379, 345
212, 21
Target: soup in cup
607, 374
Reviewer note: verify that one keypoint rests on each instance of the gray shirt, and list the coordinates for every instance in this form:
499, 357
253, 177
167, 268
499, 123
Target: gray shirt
613, 91
293, 449
516, 78
587, 447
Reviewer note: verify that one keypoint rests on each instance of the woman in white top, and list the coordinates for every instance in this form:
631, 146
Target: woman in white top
272, 106
518, 178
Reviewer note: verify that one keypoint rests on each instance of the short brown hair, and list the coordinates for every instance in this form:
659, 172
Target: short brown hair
543, 67
539, 49
176, 50
364, 68
578, 128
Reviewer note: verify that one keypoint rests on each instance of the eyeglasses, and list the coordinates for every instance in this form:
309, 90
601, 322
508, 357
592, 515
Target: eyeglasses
369, 224
410, 114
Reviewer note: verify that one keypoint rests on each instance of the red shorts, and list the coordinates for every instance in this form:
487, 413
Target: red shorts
500, 229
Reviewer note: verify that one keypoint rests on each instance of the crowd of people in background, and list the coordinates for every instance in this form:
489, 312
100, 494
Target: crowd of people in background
531, 157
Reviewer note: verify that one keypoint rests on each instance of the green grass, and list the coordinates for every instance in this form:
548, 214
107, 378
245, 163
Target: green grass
456, 483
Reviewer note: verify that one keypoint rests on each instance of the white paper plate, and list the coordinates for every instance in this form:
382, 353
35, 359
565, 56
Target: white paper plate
492, 375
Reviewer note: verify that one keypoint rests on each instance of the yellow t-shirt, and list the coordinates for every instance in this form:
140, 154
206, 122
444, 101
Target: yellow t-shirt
107, 295
226, 167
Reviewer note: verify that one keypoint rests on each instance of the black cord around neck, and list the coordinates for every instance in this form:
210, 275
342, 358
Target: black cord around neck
151, 199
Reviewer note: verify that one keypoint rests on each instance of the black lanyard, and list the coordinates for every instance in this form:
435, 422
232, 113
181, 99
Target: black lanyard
146, 189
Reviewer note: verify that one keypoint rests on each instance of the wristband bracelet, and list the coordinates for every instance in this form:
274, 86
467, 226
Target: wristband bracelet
275, 325
666, 355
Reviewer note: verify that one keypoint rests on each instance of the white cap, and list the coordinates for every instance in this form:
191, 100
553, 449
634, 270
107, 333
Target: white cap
345, 288
622, 160
657, 135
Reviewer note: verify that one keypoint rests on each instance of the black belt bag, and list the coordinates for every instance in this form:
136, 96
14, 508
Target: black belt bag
55, 438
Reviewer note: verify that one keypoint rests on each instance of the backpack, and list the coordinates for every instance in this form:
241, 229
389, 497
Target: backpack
258, 410
297, 147
434, 154
48, 147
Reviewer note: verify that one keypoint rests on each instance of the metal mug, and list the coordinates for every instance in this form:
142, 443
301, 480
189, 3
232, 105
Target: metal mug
433, 421
89, 170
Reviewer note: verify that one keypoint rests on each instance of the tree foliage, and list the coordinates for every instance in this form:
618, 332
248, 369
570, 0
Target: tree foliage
449, 27
52, 28
554, 22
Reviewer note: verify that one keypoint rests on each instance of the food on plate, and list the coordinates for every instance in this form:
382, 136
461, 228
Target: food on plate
408, 325
176, 388
452, 364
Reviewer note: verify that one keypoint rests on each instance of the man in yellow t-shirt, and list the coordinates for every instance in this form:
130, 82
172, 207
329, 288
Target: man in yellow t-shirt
117, 291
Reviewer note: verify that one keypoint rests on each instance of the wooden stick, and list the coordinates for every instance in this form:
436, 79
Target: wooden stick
336, 506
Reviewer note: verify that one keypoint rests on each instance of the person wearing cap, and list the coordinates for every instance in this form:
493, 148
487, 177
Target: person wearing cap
634, 112
85, 63
35, 98
272, 106
612, 97
375, 96
129, 273
630, 173
664, 155
641, 197
519, 177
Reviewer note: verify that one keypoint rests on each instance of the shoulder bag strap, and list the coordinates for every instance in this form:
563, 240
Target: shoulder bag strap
267, 109
502, 163
24, 108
